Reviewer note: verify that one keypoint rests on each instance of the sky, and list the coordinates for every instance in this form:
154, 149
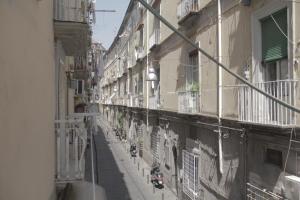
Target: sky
107, 24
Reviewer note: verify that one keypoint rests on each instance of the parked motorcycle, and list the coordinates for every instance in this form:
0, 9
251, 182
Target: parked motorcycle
157, 178
133, 151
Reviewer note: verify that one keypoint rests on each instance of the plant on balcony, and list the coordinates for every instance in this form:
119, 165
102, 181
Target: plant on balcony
193, 87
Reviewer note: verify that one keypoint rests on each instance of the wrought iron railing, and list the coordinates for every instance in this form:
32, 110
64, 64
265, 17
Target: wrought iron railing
154, 38
154, 102
72, 10
137, 101
140, 53
187, 6
256, 193
188, 101
71, 141
256, 108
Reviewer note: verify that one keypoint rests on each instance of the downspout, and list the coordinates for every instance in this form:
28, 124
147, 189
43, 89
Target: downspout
220, 95
147, 70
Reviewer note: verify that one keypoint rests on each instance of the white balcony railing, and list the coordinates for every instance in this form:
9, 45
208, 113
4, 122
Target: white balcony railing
187, 6
137, 101
154, 102
72, 10
256, 108
154, 38
256, 193
188, 102
71, 141
140, 53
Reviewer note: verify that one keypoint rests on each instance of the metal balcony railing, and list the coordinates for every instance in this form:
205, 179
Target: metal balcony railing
140, 53
186, 7
137, 101
154, 102
72, 10
188, 102
256, 108
71, 141
256, 193
154, 38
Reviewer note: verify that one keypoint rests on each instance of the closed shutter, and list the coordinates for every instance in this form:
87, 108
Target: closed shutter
274, 43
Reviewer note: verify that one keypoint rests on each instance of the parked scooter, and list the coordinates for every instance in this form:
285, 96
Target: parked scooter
133, 151
157, 176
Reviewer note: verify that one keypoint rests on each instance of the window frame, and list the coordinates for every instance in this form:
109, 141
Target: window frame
267, 10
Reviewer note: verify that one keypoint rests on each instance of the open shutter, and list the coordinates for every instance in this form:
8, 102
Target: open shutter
274, 43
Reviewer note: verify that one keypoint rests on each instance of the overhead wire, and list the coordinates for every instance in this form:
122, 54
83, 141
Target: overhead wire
170, 26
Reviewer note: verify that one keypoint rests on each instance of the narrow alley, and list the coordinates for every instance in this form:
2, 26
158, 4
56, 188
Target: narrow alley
121, 176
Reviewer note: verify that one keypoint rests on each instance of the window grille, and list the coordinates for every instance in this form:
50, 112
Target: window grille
190, 174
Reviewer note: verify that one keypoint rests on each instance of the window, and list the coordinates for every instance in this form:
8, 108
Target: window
140, 83
79, 87
155, 140
192, 72
274, 43
273, 157
154, 85
190, 174
274, 46
167, 153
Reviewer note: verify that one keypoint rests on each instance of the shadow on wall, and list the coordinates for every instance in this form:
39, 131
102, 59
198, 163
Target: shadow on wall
108, 175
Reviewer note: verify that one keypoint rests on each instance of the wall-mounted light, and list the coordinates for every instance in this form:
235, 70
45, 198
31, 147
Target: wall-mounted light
115, 89
151, 76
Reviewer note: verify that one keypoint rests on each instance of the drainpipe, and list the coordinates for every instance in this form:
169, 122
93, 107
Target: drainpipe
147, 68
220, 95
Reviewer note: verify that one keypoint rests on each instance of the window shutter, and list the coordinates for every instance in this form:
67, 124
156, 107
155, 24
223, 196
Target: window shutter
274, 43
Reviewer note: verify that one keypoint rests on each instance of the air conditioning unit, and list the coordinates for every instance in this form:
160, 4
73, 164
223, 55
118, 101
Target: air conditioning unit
292, 187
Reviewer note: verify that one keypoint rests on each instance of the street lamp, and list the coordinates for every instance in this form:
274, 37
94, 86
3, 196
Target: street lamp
151, 76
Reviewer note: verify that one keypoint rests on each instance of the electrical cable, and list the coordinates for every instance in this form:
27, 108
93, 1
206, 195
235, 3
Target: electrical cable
170, 26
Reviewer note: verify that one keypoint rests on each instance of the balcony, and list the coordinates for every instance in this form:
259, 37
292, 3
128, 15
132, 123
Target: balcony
71, 141
186, 9
154, 39
188, 102
256, 193
71, 11
137, 101
71, 25
154, 102
256, 108
139, 53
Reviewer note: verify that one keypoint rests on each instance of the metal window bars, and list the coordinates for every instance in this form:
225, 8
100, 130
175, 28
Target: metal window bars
256, 193
190, 174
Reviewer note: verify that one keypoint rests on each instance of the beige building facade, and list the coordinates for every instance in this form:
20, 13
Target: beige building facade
27, 62
214, 137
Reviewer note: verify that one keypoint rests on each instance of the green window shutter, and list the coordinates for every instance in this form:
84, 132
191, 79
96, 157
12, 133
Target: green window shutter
274, 43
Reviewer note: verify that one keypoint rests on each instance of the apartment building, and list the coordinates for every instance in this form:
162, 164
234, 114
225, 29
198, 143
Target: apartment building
214, 137
44, 47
